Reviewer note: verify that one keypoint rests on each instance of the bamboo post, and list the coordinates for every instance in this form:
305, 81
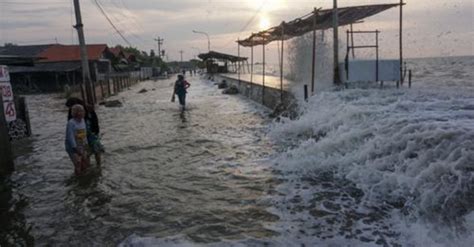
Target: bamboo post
6, 160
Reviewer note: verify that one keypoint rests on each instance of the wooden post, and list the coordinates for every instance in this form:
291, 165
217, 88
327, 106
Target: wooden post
26, 115
335, 24
251, 63
313, 64
281, 57
409, 79
352, 40
238, 61
6, 160
376, 55
263, 73
401, 39
305, 92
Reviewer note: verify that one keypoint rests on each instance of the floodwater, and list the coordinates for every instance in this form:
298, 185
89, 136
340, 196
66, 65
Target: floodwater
197, 174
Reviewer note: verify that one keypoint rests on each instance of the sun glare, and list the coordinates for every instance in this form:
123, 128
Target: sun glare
264, 23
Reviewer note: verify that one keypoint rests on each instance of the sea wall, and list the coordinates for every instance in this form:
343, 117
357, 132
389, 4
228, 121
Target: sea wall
267, 96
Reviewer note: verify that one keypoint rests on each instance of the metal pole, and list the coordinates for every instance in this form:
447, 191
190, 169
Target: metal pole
335, 24
401, 40
86, 76
313, 65
281, 57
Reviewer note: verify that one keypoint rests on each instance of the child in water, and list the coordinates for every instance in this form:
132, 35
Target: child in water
76, 139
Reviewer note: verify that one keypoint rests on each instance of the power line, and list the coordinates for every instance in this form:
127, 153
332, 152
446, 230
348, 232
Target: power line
99, 6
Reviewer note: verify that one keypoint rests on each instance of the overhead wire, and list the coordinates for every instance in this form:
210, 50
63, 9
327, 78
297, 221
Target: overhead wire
102, 11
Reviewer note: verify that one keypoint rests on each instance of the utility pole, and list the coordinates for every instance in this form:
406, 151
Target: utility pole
86, 76
160, 42
181, 53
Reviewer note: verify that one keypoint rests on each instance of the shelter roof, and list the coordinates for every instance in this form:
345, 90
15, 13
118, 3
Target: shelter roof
221, 56
63, 53
302, 25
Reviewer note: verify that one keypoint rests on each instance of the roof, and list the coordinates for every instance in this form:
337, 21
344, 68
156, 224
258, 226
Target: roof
302, 25
47, 67
17, 60
64, 53
221, 56
23, 50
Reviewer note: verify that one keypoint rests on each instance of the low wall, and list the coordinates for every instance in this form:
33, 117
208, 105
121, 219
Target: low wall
267, 96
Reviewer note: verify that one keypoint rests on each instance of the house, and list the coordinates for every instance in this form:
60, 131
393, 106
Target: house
57, 66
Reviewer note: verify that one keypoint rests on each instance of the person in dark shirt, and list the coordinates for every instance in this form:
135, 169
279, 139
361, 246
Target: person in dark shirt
180, 89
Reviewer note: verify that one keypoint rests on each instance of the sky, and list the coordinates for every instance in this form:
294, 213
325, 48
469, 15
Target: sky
431, 27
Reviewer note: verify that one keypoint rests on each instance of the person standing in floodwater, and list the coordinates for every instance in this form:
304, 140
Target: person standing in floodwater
76, 139
180, 88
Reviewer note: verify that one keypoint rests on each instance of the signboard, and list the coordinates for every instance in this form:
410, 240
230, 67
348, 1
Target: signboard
4, 75
7, 94
9, 109
365, 70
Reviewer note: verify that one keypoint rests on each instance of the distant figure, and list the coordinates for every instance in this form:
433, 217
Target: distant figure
92, 127
180, 88
76, 139
184, 72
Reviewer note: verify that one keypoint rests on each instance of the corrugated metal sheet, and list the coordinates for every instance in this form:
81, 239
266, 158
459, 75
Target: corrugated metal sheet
302, 25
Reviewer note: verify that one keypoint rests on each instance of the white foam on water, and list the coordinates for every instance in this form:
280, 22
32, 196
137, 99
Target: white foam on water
371, 166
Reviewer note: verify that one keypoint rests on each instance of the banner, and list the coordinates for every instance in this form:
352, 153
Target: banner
7, 94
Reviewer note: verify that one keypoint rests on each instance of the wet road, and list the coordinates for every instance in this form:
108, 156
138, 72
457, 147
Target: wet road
199, 175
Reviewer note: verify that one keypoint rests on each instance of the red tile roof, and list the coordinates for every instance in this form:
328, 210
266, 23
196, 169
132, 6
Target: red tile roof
62, 53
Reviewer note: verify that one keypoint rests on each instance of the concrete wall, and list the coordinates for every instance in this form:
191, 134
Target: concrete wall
269, 97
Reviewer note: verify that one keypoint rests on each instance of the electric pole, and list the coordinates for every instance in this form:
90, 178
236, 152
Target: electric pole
181, 53
160, 42
86, 76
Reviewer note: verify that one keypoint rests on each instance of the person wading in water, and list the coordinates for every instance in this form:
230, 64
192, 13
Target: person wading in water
180, 87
